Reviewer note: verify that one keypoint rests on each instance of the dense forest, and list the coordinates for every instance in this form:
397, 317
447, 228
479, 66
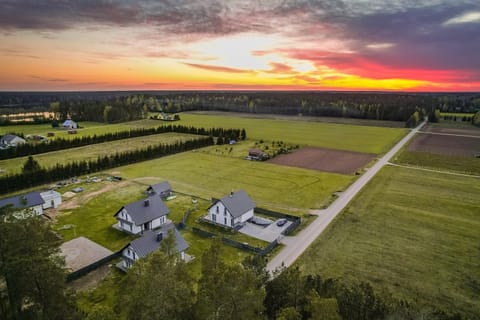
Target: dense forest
125, 106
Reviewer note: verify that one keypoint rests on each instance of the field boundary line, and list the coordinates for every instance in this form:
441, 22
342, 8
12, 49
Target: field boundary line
450, 134
433, 170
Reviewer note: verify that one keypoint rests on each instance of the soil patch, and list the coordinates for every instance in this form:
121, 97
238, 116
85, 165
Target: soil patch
446, 145
81, 252
344, 162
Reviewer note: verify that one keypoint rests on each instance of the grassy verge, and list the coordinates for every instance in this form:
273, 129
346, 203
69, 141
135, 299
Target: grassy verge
412, 233
366, 139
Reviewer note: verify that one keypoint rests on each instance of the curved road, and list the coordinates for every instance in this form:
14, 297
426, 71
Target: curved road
295, 246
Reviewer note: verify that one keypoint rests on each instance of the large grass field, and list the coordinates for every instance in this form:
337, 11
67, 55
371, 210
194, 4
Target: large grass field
368, 139
89, 152
271, 186
413, 233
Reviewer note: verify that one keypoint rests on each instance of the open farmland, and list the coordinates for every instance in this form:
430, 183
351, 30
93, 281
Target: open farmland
345, 162
93, 151
367, 139
286, 189
464, 130
446, 144
412, 233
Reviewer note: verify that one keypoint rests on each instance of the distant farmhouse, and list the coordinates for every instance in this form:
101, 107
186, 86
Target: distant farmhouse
11, 140
70, 124
31, 201
142, 215
163, 189
52, 199
231, 211
257, 154
148, 243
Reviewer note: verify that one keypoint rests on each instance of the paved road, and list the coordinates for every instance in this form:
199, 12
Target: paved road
295, 246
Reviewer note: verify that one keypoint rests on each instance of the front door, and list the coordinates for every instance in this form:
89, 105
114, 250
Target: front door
146, 226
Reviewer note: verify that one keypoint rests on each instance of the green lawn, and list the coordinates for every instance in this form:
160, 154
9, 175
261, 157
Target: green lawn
286, 189
87, 128
413, 233
366, 139
89, 152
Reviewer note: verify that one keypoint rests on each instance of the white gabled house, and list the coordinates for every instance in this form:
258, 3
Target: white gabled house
142, 215
70, 124
52, 199
22, 203
149, 242
231, 211
11, 140
163, 189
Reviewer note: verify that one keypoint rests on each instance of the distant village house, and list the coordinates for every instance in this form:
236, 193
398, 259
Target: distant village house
11, 140
70, 124
162, 189
31, 201
52, 199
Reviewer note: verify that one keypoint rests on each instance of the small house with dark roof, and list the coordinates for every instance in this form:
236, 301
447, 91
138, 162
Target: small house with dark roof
163, 189
231, 211
146, 214
30, 201
11, 140
257, 154
149, 242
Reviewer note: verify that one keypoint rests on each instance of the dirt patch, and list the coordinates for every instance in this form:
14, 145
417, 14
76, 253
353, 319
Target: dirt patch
345, 162
459, 131
446, 145
83, 198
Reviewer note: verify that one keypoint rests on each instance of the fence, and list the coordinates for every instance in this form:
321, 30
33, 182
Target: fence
294, 219
240, 245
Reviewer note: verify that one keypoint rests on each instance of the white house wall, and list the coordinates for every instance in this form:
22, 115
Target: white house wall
128, 255
244, 217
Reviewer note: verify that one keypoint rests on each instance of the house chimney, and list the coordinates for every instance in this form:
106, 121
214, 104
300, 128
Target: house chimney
159, 237
231, 194
146, 202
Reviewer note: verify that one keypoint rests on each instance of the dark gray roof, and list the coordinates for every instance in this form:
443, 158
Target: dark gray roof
9, 138
160, 187
238, 203
148, 242
140, 213
23, 201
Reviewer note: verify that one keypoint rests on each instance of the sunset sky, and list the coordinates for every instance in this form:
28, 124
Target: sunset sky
408, 45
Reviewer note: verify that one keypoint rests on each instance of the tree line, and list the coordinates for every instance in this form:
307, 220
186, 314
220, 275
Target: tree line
61, 143
34, 175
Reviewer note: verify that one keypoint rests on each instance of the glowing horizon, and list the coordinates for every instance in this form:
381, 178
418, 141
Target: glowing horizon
239, 45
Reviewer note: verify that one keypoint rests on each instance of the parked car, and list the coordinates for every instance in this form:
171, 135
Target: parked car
281, 222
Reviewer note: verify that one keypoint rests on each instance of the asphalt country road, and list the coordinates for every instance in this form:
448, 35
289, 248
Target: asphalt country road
295, 246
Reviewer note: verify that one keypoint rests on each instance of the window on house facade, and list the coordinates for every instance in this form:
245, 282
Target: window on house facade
217, 209
214, 217
224, 211
225, 221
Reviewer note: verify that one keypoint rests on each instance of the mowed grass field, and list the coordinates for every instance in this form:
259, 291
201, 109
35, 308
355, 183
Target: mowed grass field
207, 175
367, 139
413, 233
93, 151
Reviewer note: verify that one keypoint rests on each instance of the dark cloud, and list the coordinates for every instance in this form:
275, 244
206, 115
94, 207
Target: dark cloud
217, 68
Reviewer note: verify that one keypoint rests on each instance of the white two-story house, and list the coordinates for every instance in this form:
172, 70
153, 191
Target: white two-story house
147, 214
231, 211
